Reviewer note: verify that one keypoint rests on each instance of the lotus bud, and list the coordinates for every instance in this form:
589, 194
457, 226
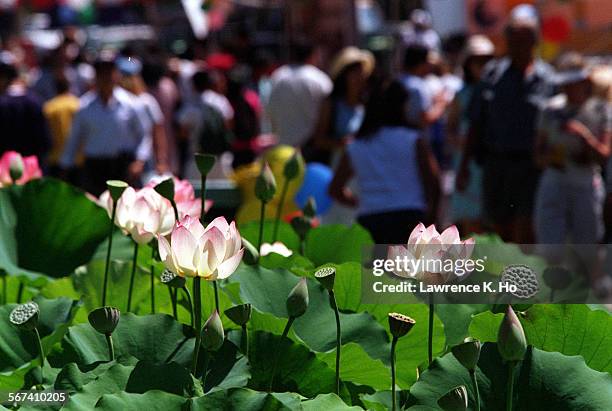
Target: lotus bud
326, 276
205, 162
400, 324
251, 255
104, 319
557, 278
25, 316
265, 185
239, 314
468, 353
301, 225
511, 341
310, 208
169, 278
16, 167
297, 301
292, 166
454, 400
166, 189
212, 334
116, 189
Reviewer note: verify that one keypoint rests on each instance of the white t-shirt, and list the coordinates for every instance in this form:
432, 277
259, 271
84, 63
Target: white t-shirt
293, 107
220, 102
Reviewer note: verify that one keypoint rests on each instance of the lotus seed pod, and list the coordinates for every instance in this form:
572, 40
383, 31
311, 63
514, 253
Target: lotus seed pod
205, 163
116, 189
166, 189
468, 353
104, 319
301, 225
511, 341
265, 185
239, 314
212, 334
292, 166
326, 276
523, 277
310, 208
169, 278
297, 301
25, 316
557, 278
16, 167
251, 255
454, 400
400, 324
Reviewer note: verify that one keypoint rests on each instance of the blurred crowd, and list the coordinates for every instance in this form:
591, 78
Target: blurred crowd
488, 139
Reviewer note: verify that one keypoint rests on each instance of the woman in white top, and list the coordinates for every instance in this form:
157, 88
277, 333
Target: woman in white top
396, 173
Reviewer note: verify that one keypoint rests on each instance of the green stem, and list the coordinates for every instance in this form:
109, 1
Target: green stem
261, 225
510, 392
152, 269
244, 341
276, 357
186, 290
203, 197
173, 301
4, 288
393, 399
216, 296
198, 322
332, 301
430, 330
279, 210
41, 352
20, 292
111, 347
476, 391
108, 253
205, 369
132, 276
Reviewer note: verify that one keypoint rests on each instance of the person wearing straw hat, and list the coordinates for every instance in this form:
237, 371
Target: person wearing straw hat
341, 113
573, 141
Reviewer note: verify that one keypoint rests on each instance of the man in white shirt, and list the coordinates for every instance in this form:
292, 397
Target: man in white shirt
297, 90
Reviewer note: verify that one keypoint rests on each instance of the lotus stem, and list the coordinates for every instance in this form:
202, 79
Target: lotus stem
393, 399
205, 369
186, 290
132, 276
261, 226
203, 196
476, 391
244, 341
216, 295
279, 210
41, 352
152, 270
20, 292
4, 288
173, 301
111, 347
430, 330
198, 322
510, 391
276, 357
108, 252
332, 301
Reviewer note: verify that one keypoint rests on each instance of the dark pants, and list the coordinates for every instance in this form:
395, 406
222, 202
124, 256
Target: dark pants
393, 227
96, 171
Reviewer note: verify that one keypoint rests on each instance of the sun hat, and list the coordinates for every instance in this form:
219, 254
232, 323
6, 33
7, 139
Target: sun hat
349, 56
524, 16
479, 45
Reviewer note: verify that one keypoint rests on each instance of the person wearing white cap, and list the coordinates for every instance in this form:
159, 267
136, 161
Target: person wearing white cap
503, 115
573, 140
418, 31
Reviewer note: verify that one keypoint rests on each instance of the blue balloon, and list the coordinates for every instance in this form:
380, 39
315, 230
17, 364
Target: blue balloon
316, 182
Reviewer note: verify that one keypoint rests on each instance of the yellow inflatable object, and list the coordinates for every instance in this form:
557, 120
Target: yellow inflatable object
245, 177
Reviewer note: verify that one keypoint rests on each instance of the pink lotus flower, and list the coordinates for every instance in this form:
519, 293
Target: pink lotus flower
143, 214
185, 199
434, 249
13, 160
212, 253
